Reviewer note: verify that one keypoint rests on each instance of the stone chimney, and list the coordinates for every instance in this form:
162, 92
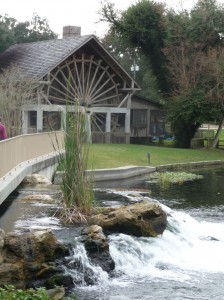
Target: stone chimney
69, 31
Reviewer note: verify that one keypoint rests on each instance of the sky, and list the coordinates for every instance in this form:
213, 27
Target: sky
83, 13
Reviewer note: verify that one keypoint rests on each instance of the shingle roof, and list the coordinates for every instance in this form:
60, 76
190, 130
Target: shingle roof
36, 59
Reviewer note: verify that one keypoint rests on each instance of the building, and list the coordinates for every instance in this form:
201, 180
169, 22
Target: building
78, 71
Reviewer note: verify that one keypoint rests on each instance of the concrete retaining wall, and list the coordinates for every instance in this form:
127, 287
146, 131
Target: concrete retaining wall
111, 174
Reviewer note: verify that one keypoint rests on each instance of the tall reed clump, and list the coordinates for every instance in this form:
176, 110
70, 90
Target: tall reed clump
77, 187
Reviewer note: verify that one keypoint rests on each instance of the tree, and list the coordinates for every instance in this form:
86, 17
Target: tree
142, 26
216, 90
183, 50
36, 30
187, 112
128, 56
193, 52
7, 37
207, 23
13, 32
15, 92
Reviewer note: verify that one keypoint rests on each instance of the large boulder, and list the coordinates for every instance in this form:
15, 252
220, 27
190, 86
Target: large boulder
36, 246
140, 219
29, 256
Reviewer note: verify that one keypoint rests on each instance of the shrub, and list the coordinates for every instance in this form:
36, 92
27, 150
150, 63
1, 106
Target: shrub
9, 292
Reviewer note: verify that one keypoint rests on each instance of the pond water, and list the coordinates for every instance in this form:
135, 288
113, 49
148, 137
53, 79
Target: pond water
186, 262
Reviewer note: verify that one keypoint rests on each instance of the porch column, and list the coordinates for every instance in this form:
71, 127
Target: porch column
148, 122
127, 128
25, 122
108, 128
39, 120
88, 128
128, 122
39, 113
63, 120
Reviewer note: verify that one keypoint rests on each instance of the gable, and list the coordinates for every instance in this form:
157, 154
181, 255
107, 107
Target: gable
38, 59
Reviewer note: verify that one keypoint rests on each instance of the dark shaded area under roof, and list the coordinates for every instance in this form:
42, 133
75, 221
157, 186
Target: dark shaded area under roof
152, 101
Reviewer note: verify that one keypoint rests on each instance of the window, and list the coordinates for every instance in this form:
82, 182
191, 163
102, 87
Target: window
138, 118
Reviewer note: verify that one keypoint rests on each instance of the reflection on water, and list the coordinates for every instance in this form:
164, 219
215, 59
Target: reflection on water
131, 183
206, 194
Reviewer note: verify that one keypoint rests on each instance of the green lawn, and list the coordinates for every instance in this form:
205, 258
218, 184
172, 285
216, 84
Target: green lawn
118, 155
222, 135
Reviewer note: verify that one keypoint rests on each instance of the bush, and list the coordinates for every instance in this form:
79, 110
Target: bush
9, 292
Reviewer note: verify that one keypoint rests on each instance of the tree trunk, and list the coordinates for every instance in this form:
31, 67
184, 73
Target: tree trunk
218, 133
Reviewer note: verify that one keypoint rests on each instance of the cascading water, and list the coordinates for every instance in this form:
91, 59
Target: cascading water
186, 262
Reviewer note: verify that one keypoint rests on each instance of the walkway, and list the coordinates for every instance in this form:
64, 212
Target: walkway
27, 154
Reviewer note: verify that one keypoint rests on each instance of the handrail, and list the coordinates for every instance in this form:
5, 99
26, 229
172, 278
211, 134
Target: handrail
14, 151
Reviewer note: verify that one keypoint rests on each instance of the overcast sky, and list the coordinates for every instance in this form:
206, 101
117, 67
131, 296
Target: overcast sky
81, 13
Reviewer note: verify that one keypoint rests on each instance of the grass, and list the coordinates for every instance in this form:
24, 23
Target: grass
118, 155
222, 135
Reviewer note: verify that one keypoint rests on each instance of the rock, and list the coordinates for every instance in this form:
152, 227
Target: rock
140, 219
12, 274
2, 241
97, 247
36, 179
30, 256
39, 198
60, 280
95, 240
2, 236
31, 246
56, 293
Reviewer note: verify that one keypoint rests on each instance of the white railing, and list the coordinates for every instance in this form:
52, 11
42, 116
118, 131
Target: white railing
14, 151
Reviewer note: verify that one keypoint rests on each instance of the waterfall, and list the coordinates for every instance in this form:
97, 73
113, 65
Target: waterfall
186, 246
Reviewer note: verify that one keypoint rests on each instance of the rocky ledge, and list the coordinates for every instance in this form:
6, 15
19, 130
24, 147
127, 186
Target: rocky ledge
30, 257
145, 219
37, 259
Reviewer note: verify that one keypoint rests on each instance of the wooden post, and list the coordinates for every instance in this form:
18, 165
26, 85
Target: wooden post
108, 127
25, 123
39, 114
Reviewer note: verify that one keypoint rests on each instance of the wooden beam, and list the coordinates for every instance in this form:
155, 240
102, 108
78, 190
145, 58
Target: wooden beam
94, 76
97, 83
104, 92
